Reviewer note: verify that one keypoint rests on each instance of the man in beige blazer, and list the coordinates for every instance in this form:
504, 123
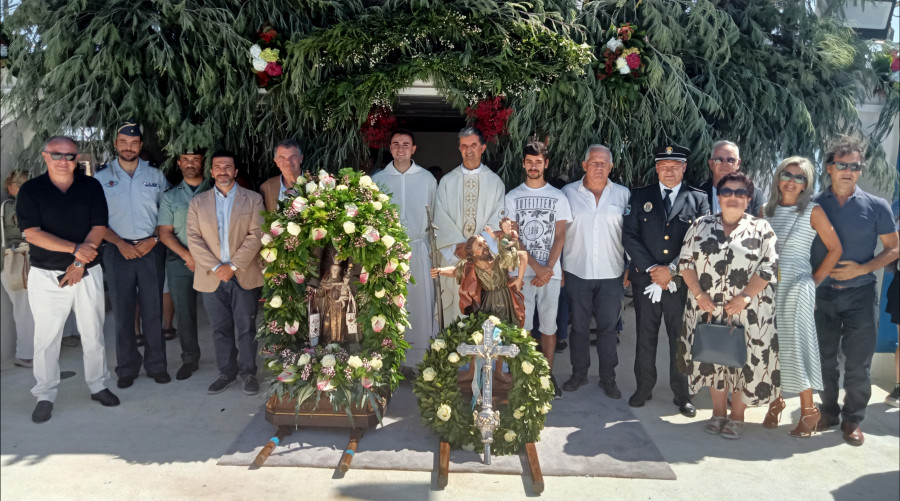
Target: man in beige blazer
288, 158
223, 230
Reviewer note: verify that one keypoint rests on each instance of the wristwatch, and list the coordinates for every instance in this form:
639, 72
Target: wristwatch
233, 267
78, 264
673, 269
747, 298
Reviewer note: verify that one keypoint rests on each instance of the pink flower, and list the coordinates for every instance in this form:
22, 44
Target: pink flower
298, 277
371, 234
276, 228
318, 233
299, 204
399, 300
292, 328
352, 209
324, 384
367, 382
273, 69
363, 275
633, 60
391, 266
286, 376
378, 322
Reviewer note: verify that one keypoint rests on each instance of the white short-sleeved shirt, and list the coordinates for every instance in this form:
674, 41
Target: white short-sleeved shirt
537, 211
594, 247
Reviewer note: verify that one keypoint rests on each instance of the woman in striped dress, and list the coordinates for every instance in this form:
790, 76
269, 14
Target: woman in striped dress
796, 222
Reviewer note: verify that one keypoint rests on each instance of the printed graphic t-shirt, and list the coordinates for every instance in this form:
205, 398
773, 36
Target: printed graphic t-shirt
537, 211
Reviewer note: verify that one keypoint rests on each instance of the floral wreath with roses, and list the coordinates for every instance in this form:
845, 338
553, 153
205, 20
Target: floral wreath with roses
441, 403
349, 213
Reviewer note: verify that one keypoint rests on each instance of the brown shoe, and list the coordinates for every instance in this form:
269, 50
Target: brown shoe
853, 435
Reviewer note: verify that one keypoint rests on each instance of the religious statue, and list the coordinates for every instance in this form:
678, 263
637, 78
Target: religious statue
485, 284
333, 305
507, 238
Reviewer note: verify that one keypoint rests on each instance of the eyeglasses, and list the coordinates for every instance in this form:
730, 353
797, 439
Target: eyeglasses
797, 178
728, 192
856, 166
729, 160
59, 156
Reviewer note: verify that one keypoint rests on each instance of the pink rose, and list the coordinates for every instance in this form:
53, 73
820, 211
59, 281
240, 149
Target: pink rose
318, 233
276, 228
363, 276
273, 69
391, 266
298, 277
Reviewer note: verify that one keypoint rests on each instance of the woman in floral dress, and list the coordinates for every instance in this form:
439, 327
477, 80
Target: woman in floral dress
729, 259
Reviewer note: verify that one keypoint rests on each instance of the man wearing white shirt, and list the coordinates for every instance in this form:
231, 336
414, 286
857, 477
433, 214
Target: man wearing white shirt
469, 198
412, 188
593, 265
658, 218
289, 159
542, 214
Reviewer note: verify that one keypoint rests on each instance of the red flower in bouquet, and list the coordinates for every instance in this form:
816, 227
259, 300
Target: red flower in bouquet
377, 128
633, 60
490, 117
625, 31
268, 34
273, 69
263, 78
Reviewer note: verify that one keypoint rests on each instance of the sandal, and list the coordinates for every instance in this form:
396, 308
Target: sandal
773, 416
169, 334
715, 424
733, 430
809, 420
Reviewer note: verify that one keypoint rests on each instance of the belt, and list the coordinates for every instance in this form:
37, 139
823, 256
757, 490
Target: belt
135, 242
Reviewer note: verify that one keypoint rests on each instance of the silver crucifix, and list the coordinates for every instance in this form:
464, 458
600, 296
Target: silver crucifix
487, 419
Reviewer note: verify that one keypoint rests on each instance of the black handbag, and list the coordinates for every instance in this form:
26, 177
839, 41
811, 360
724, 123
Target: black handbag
720, 344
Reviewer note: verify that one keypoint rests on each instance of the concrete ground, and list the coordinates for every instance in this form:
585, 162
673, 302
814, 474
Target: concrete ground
163, 442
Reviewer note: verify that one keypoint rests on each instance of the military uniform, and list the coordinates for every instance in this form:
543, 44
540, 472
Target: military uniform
653, 238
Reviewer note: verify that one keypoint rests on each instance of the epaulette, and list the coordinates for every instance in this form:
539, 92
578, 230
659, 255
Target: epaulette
101, 167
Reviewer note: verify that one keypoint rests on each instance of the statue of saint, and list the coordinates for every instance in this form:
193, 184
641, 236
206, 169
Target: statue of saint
333, 298
507, 238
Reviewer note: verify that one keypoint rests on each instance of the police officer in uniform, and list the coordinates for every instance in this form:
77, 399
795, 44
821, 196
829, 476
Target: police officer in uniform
133, 260
658, 217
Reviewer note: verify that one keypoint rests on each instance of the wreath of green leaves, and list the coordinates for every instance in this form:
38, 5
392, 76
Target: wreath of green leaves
437, 391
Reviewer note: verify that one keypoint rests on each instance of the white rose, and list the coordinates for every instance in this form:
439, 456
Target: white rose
255, 50
545, 408
460, 324
320, 204
444, 412
311, 187
365, 181
354, 362
428, 374
453, 357
379, 293
404, 267
477, 337
518, 414
388, 240
349, 227
259, 64
622, 66
494, 320
545, 382
341, 187
510, 436
328, 361
275, 302
438, 345
304, 359
377, 205
376, 364
614, 43
266, 239
383, 198
527, 368
293, 228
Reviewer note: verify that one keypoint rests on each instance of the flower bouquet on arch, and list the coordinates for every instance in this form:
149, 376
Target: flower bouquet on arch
266, 56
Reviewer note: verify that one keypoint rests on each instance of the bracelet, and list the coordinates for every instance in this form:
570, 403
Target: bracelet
698, 295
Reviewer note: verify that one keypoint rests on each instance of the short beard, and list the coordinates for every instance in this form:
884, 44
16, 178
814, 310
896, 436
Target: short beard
127, 159
485, 256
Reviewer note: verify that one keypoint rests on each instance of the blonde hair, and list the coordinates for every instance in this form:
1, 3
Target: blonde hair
775, 196
18, 176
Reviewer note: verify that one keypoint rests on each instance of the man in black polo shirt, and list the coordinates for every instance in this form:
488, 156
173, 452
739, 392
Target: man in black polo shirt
847, 302
63, 216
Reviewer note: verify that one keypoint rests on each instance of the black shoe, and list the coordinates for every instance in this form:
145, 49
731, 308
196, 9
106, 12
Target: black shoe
561, 346
638, 399
161, 378
221, 384
686, 409
826, 421
125, 381
557, 391
186, 371
42, 411
250, 385
894, 398
106, 398
575, 382
610, 388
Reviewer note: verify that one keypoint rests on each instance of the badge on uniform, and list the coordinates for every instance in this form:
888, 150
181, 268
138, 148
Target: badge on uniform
151, 185
112, 182
648, 207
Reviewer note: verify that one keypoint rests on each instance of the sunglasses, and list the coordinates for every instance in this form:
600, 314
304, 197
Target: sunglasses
797, 178
728, 192
729, 160
59, 156
856, 166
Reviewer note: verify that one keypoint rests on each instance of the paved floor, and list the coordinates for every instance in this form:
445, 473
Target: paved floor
162, 443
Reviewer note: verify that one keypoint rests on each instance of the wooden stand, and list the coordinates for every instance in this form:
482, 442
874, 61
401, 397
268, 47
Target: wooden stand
283, 413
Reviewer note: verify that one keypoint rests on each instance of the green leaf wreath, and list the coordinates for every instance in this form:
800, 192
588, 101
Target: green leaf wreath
348, 212
445, 411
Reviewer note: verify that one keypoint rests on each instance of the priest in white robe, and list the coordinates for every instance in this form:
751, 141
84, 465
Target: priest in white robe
412, 188
469, 198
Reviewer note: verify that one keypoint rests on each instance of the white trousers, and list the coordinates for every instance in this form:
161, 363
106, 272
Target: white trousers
545, 300
23, 319
50, 305
420, 304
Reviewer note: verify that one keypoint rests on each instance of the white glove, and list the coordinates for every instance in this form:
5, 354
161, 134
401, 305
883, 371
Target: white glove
654, 292
672, 287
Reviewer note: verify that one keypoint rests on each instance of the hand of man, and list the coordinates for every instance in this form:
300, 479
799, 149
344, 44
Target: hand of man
736, 305
189, 262
128, 251
145, 246
706, 303
224, 272
538, 282
544, 273
85, 252
845, 270
661, 276
73, 275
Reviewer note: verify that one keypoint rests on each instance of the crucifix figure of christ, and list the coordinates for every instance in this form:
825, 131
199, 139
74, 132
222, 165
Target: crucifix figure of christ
487, 419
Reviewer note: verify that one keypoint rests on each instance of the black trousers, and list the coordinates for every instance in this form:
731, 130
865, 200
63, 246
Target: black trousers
181, 287
232, 315
648, 316
135, 282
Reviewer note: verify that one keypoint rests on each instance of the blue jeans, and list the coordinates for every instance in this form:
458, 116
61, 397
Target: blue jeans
845, 322
232, 315
601, 300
